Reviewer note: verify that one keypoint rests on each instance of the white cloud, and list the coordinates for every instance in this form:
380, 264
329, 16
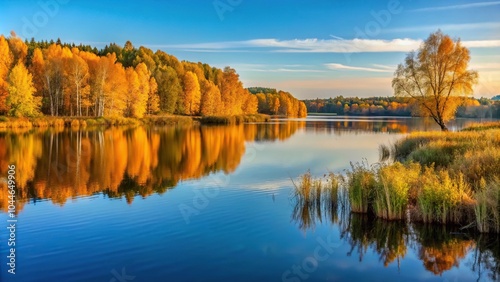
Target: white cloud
456, 7
485, 66
309, 45
314, 45
482, 43
291, 68
392, 68
334, 66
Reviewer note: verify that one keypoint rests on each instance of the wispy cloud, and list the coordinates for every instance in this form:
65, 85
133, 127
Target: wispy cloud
446, 28
456, 7
314, 45
391, 68
482, 43
335, 66
310, 45
485, 66
293, 68
283, 70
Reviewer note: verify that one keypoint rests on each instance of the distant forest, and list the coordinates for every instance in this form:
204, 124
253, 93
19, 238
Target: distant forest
273, 102
395, 106
61, 79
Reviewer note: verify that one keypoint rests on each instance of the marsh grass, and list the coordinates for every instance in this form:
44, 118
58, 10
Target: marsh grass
316, 199
487, 207
395, 185
360, 186
433, 177
443, 198
459, 181
483, 126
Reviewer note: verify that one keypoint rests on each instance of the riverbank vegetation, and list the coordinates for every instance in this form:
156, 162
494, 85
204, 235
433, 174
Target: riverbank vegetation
157, 120
65, 80
431, 177
397, 106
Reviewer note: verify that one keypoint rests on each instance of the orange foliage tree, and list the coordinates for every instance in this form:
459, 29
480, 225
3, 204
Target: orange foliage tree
5, 63
433, 75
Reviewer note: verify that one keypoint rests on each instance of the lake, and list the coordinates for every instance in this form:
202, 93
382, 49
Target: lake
215, 204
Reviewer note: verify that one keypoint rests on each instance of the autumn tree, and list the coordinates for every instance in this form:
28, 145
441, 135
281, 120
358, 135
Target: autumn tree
54, 76
169, 88
434, 74
18, 48
153, 105
192, 95
251, 104
5, 63
37, 70
263, 106
115, 87
77, 73
210, 99
302, 110
20, 100
274, 104
141, 101
231, 89
132, 91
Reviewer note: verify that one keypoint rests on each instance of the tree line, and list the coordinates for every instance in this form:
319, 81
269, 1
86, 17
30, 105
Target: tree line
273, 102
61, 79
399, 106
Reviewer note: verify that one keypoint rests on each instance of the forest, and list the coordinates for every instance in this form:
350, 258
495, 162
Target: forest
398, 106
273, 102
60, 79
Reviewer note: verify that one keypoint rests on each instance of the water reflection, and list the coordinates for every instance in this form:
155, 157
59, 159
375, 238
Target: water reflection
343, 125
59, 164
439, 248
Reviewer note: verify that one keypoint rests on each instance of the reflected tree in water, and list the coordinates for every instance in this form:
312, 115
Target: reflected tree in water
60, 164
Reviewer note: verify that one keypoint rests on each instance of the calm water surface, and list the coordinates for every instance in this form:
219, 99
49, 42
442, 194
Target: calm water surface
214, 204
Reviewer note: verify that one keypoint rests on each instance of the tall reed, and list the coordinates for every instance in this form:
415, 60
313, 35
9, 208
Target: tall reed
360, 185
393, 189
488, 206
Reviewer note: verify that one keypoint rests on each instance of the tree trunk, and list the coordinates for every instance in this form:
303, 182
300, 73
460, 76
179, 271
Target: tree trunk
443, 126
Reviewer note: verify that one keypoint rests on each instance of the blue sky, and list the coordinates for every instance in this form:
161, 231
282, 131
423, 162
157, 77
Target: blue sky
313, 48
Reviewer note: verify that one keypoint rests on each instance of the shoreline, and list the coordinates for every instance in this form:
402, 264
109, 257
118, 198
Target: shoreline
158, 120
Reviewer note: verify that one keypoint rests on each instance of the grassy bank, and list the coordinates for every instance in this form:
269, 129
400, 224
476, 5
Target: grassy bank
231, 120
433, 177
83, 122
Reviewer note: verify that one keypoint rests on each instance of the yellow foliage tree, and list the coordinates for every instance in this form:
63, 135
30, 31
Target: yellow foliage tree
18, 48
153, 106
141, 101
435, 74
210, 98
192, 94
77, 74
302, 110
37, 70
132, 91
251, 104
21, 101
5, 63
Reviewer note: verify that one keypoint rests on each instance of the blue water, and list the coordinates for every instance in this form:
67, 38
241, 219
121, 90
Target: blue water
223, 218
